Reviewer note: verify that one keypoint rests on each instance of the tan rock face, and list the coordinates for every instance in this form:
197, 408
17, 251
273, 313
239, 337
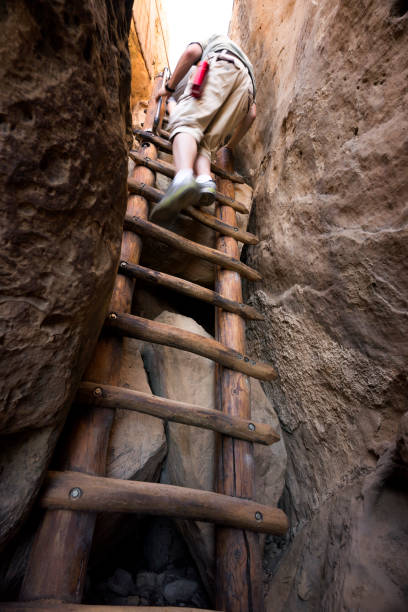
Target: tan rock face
328, 160
151, 28
64, 121
191, 451
148, 44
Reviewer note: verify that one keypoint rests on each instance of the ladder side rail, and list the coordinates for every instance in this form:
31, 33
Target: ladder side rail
239, 586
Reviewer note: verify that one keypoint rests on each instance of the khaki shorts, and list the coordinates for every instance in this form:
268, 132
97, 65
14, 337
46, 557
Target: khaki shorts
226, 99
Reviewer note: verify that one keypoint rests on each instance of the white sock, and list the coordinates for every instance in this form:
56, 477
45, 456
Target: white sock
183, 174
203, 178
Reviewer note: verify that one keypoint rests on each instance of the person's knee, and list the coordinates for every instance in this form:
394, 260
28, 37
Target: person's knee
193, 132
185, 140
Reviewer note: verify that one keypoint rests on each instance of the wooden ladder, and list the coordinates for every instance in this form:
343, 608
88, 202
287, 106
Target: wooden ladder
73, 496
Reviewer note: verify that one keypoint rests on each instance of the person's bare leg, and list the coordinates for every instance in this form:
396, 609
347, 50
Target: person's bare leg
184, 151
183, 190
202, 165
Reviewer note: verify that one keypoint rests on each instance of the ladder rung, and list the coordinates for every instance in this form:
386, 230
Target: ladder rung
168, 170
108, 396
191, 289
219, 226
160, 142
48, 604
157, 165
151, 193
146, 228
83, 492
164, 144
169, 335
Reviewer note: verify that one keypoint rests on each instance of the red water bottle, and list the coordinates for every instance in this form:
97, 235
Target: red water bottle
201, 73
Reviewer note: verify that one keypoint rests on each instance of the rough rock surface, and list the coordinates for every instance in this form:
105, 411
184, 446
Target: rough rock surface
357, 542
64, 121
329, 158
148, 40
191, 450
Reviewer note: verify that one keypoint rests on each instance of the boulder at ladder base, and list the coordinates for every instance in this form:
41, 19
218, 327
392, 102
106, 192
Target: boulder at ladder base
191, 451
64, 140
137, 448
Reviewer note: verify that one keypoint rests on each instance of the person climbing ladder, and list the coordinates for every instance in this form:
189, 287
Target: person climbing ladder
199, 126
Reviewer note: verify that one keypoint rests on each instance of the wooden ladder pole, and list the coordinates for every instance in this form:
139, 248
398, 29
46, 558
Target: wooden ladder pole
59, 555
239, 585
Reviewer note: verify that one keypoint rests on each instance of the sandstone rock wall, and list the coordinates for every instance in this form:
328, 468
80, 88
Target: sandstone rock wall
64, 135
328, 158
148, 44
151, 27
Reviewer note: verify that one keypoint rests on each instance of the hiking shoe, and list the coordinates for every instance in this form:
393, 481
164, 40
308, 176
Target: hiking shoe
207, 193
179, 196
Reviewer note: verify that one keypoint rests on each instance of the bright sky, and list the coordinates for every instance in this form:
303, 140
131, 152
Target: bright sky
189, 21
